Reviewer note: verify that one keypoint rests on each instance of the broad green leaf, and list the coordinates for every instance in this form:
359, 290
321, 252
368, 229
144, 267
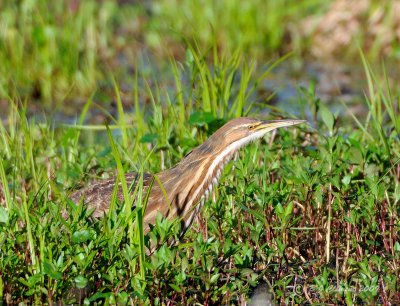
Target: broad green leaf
82, 236
4, 215
327, 117
81, 281
51, 270
201, 118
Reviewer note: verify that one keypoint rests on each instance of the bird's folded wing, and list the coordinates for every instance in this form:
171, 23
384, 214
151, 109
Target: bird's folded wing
98, 195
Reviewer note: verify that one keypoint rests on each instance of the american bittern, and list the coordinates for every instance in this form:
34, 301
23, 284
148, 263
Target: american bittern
188, 184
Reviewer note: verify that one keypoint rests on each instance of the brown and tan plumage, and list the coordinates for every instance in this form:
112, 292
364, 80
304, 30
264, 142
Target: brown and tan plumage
188, 183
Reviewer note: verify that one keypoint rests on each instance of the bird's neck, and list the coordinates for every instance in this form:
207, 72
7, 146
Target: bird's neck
191, 181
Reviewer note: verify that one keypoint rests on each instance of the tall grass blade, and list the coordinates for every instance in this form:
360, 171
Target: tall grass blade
4, 182
121, 115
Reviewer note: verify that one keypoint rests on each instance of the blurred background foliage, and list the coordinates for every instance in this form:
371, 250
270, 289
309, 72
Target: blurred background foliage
53, 52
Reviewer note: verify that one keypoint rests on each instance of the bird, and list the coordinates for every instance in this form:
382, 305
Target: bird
180, 192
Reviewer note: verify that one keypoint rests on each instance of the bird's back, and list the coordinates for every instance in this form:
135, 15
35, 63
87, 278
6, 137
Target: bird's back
97, 196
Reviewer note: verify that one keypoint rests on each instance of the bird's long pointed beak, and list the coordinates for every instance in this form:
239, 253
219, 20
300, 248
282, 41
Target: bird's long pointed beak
274, 124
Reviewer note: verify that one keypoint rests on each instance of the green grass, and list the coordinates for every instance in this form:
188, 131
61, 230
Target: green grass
311, 209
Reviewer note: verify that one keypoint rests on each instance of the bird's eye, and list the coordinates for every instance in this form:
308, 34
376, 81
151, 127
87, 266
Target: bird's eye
250, 127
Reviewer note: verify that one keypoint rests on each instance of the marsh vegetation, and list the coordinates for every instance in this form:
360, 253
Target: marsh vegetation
89, 87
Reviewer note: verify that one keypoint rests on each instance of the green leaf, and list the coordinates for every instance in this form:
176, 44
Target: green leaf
214, 278
82, 236
51, 270
327, 117
81, 281
281, 246
346, 180
99, 295
289, 209
279, 210
149, 138
201, 118
175, 287
32, 280
4, 215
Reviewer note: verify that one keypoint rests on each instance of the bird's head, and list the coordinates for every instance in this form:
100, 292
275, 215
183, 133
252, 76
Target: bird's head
232, 136
241, 131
